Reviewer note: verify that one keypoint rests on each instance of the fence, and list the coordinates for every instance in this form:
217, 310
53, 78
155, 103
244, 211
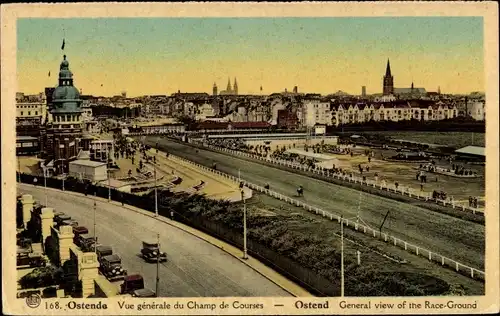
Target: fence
417, 250
343, 178
306, 277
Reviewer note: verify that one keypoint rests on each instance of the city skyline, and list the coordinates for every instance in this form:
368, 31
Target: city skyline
163, 55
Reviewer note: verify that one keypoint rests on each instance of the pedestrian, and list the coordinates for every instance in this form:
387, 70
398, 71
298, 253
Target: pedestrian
421, 187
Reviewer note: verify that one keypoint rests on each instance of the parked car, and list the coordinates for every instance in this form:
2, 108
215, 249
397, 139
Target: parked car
131, 283
87, 243
70, 222
78, 231
143, 293
61, 217
103, 251
151, 252
111, 267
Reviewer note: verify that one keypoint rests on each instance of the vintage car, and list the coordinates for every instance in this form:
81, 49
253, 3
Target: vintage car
131, 283
151, 252
61, 217
103, 251
111, 267
87, 243
79, 231
27, 259
69, 222
143, 293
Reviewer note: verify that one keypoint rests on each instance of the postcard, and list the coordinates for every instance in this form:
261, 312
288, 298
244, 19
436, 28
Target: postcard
250, 158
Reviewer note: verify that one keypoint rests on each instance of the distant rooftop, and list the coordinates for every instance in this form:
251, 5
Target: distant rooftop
471, 150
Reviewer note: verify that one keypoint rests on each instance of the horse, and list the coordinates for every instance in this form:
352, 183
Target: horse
300, 191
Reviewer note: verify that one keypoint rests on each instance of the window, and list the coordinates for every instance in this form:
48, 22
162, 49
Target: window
36, 112
29, 113
22, 113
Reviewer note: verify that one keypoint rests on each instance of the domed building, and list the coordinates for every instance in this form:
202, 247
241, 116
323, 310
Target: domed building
64, 131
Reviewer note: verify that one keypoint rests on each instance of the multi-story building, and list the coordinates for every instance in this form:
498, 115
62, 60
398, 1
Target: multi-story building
31, 114
65, 131
315, 111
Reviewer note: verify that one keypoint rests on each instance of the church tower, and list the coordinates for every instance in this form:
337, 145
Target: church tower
388, 87
235, 87
228, 89
214, 89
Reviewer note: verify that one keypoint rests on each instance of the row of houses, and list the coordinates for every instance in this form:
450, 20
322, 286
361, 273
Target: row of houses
327, 112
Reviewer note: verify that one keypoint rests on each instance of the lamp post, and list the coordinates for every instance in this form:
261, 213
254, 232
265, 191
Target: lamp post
156, 192
342, 256
95, 238
63, 178
109, 186
158, 265
19, 170
45, 185
244, 225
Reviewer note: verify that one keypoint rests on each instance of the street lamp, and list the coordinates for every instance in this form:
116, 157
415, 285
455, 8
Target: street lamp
342, 256
156, 192
109, 186
19, 169
45, 185
244, 225
158, 265
63, 178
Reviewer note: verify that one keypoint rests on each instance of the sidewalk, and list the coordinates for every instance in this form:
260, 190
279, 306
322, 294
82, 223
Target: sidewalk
268, 273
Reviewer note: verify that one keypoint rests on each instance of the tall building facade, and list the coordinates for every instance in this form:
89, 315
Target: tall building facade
388, 87
363, 91
64, 132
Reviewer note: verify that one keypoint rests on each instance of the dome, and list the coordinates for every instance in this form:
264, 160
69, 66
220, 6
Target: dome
62, 93
66, 98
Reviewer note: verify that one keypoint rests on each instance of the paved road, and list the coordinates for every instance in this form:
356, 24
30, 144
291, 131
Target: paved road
457, 239
195, 267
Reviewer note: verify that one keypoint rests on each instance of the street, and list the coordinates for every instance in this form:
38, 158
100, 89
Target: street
194, 268
455, 238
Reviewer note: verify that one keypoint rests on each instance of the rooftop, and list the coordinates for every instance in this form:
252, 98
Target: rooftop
471, 150
87, 163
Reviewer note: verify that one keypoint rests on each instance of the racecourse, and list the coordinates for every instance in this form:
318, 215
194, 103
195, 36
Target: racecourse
455, 238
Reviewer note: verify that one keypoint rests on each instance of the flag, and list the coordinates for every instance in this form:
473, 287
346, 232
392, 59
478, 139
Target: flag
101, 84
49, 73
63, 44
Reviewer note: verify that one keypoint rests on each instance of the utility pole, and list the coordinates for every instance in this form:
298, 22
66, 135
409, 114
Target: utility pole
156, 191
342, 256
95, 237
19, 168
239, 176
109, 186
45, 184
158, 265
244, 225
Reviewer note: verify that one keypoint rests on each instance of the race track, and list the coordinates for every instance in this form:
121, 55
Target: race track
455, 238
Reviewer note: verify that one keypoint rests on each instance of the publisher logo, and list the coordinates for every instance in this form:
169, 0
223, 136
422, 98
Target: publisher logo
33, 300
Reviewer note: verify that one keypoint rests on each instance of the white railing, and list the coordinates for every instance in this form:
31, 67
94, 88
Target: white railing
416, 194
417, 250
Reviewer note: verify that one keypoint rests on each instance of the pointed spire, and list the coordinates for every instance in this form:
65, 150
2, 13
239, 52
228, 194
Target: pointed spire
388, 69
228, 84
